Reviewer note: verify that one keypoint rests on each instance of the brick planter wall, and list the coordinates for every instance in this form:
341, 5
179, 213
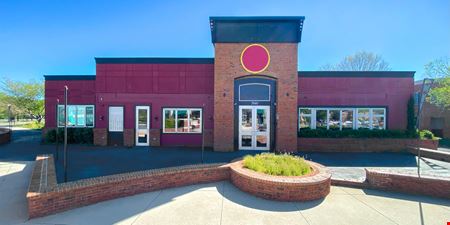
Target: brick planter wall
5, 136
408, 183
361, 144
46, 197
305, 188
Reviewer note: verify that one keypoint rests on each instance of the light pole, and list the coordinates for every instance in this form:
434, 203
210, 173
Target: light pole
65, 132
57, 129
203, 134
9, 117
422, 96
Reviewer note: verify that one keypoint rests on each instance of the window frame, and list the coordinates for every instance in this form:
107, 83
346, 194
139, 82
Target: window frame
58, 106
189, 111
355, 115
250, 84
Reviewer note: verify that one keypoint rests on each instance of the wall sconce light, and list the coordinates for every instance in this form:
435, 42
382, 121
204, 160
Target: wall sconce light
224, 94
287, 94
156, 118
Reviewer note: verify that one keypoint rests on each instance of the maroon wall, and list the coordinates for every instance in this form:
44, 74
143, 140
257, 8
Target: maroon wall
158, 86
391, 92
80, 92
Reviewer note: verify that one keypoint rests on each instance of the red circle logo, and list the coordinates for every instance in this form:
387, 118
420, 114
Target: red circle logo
255, 58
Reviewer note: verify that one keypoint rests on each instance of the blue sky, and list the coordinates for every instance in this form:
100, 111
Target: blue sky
63, 37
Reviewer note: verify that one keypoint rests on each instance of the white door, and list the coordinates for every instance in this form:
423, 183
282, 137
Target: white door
254, 127
142, 125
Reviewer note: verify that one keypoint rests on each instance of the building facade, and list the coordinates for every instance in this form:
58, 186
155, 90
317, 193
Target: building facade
250, 96
433, 118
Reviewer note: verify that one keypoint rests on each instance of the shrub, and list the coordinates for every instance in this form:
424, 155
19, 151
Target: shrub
365, 133
278, 165
74, 136
426, 134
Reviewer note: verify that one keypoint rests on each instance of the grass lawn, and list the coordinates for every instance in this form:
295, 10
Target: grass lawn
278, 165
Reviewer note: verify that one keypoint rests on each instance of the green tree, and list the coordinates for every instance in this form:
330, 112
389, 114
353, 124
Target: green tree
26, 98
439, 70
360, 61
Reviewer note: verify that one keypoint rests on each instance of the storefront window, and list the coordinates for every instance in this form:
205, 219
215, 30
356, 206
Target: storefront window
347, 119
321, 119
169, 121
342, 118
363, 119
335, 119
378, 119
77, 116
89, 116
305, 119
182, 120
195, 121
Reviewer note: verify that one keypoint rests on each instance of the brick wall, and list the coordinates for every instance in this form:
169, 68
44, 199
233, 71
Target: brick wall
310, 187
100, 136
46, 197
408, 183
283, 67
128, 137
431, 111
5, 135
155, 137
361, 144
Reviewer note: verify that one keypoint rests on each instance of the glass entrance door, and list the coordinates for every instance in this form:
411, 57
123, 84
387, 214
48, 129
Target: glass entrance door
142, 125
254, 127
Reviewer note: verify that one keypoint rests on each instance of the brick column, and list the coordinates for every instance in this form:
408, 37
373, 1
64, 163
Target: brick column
283, 67
128, 137
100, 136
155, 137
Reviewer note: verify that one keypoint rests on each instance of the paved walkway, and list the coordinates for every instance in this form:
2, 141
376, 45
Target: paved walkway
222, 203
87, 161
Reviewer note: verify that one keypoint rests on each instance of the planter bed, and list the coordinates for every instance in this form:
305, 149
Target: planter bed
315, 185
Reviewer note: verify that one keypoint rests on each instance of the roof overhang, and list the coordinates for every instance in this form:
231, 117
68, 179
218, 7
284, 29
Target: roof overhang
69, 77
273, 29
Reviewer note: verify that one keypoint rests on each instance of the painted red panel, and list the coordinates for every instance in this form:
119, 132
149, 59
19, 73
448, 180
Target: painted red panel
193, 140
80, 92
392, 93
158, 86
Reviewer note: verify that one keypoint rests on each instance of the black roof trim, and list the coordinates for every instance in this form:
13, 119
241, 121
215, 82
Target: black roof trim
256, 29
150, 60
69, 77
356, 73
256, 18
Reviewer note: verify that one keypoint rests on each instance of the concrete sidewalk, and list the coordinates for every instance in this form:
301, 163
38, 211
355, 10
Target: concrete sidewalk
222, 203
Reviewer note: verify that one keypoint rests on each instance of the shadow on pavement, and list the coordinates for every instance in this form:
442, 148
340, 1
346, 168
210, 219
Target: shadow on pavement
408, 197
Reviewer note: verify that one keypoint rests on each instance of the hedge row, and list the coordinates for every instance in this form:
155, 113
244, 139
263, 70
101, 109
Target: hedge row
365, 133
74, 136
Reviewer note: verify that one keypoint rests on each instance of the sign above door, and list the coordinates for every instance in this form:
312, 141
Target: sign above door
255, 58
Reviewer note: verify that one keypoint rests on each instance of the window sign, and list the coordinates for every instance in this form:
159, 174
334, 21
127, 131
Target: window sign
77, 115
